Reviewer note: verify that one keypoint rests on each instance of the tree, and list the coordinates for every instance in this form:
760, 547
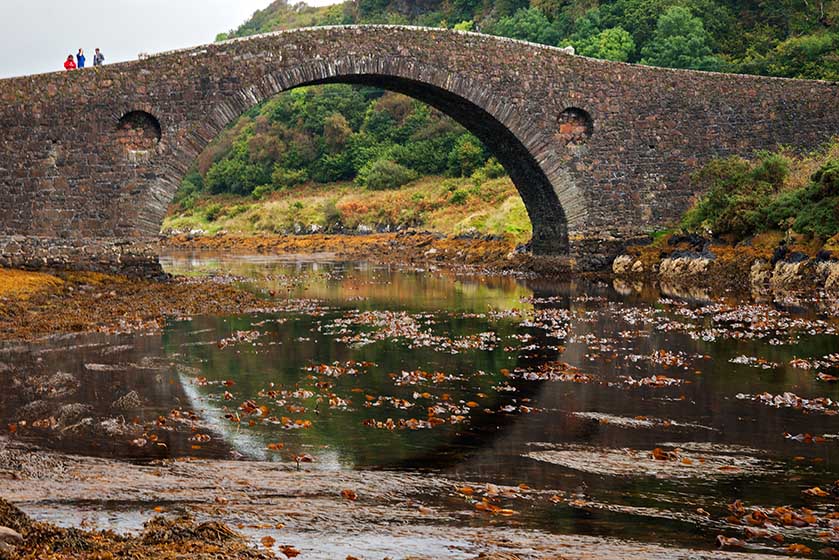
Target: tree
529, 25
614, 43
813, 56
336, 132
680, 41
466, 156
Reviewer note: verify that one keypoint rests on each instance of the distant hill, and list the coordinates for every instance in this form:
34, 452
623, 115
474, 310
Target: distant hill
791, 38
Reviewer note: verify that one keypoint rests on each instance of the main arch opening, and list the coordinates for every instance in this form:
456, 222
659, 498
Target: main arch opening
367, 153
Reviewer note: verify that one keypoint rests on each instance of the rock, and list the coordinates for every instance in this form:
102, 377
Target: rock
34, 410
829, 271
622, 264
760, 274
683, 267
787, 275
569, 49
129, 401
73, 412
431, 252
10, 535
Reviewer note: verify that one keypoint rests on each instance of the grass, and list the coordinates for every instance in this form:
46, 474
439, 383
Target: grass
445, 205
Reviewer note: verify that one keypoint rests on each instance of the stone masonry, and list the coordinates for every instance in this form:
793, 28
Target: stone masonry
601, 152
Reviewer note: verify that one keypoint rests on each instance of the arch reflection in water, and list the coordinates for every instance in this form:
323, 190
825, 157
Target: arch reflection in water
361, 367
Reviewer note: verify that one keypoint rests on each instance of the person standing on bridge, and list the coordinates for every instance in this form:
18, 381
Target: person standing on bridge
69, 64
80, 59
98, 58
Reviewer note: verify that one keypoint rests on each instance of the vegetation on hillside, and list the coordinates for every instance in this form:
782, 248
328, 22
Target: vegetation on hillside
778, 191
473, 205
377, 139
792, 38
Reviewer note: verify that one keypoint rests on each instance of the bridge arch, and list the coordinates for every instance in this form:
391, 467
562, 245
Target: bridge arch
488, 117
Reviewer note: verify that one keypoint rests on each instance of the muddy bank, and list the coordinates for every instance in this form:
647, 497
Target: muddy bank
89, 302
193, 509
760, 266
421, 249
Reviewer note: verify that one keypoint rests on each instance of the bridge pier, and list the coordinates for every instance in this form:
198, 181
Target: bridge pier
135, 258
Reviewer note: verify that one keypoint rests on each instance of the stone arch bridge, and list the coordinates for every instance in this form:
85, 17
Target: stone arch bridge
600, 151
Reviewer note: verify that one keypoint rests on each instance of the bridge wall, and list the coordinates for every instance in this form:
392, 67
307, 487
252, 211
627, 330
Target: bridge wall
601, 152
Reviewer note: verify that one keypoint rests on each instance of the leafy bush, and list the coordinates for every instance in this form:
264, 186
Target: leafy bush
284, 178
385, 174
743, 199
189, 191
459, 196
236, 176
467, 155
262, 190
213, 211
492, 169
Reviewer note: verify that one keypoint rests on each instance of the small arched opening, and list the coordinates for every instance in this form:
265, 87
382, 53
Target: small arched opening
138, 131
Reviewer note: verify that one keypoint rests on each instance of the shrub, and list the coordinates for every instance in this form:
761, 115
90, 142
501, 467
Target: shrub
459, 196
772, 169
467, 156
262, 190
828, 178
332, 167
331, 214
284, 178
385, 174
236, 176
743, 199
490, 170
213, 211
820, 218
189, 191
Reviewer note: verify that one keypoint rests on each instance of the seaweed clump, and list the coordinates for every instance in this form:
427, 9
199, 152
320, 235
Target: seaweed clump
162, 538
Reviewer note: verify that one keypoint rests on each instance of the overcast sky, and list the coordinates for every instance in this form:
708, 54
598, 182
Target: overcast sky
37, 35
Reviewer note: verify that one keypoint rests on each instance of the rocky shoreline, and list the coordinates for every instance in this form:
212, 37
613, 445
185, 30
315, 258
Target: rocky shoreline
759, 268
90, 302
66, 302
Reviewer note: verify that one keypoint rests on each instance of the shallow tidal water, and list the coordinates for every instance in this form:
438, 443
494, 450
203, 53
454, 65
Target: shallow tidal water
569, 407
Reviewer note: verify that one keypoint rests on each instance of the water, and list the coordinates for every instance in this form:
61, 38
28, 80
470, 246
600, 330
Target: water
546, 384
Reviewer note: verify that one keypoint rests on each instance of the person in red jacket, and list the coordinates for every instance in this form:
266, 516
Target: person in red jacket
70, 64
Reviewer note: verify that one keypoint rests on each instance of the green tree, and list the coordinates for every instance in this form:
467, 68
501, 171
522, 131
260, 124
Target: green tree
614, 43
384, 174
467, 156
236, 176
680, 41
813, 56
336, 132
529, 25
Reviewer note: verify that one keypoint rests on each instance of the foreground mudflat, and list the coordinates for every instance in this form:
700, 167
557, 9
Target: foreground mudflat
318, 513
355, 409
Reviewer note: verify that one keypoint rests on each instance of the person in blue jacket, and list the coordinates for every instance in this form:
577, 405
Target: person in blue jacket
80, 59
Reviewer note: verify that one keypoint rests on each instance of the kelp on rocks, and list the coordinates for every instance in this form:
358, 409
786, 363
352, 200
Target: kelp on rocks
162, 538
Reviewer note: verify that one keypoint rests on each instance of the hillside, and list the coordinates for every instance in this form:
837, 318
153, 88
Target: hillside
791, 38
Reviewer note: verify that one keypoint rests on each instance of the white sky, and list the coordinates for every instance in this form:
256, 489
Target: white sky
37, 35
